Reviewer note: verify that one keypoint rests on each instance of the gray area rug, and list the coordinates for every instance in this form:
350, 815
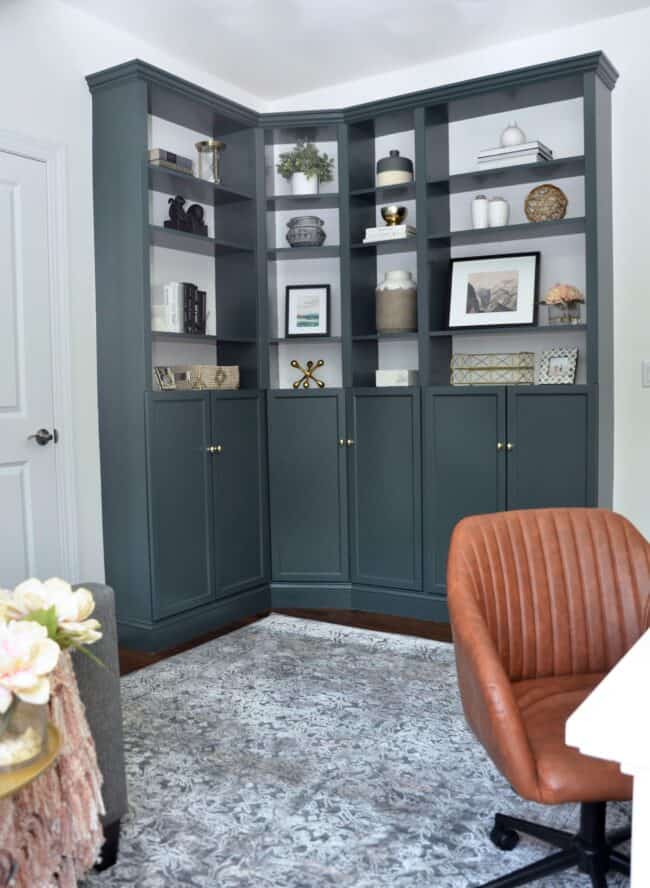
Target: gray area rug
297, 754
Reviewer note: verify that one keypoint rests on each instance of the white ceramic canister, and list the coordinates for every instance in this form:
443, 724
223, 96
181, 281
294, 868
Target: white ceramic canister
480, 211
396, 303
498, 212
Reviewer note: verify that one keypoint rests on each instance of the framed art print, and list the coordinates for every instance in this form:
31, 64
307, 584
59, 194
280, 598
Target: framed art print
308, 310
558, 366
494, 291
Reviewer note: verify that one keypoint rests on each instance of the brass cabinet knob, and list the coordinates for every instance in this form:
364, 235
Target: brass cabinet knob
214, 448
341, 442
510, 446
350, 442
218, 449
500, 445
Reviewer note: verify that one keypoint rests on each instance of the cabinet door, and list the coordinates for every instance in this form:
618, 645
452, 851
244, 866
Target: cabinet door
464, 471
307, 482
239, 486
551, 461
385, 488
180, 508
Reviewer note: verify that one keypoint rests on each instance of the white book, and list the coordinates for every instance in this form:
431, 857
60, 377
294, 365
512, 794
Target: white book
389, 232
517, 160
516, 149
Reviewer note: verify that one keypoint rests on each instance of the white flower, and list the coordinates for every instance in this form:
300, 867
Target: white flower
27, 656
73, 607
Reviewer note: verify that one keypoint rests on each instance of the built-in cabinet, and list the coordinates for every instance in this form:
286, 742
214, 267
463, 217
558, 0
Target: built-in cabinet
501, 448
221, 505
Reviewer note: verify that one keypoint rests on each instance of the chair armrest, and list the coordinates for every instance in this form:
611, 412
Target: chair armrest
486, 691
99, 687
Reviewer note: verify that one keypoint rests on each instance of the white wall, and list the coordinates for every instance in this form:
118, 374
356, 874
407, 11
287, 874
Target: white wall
47, 48
625, 40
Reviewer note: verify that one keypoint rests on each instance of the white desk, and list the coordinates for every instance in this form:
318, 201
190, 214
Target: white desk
613, 723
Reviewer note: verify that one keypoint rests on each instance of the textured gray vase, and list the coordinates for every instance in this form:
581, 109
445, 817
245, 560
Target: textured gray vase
396, 303
306, 231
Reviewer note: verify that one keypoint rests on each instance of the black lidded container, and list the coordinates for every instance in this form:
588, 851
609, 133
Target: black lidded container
394, 169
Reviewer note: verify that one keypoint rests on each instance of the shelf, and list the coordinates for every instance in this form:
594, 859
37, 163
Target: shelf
531, 328
400, 245
276, 340
323, 201
192, 188
278, 253
383, 337
183, 337
193, 243
387, 193
243, 339
499, 177
522, 231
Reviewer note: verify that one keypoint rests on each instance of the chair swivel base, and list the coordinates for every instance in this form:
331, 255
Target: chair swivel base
591, 850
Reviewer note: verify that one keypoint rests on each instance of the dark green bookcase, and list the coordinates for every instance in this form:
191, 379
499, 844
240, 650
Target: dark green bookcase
348, 495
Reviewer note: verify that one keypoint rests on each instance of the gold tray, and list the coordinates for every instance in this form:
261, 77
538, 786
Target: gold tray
12, 781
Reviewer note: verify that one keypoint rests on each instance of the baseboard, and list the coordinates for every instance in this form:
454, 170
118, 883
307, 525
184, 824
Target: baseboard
320, 595
176, 630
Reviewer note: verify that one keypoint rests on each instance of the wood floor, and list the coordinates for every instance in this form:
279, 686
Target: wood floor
132, 660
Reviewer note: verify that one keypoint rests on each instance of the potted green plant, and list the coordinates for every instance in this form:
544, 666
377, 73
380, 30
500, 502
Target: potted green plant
305, 167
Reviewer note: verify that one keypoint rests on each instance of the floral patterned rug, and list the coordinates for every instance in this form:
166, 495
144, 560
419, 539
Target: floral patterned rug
297, 754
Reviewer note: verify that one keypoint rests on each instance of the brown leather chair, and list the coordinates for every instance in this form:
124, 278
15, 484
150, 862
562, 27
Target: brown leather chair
543, 603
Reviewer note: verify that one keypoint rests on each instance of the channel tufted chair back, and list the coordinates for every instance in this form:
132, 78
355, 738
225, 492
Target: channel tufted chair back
561, 591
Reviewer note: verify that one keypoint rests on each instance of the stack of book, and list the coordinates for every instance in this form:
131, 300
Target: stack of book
513, 155
170, 161
388, 232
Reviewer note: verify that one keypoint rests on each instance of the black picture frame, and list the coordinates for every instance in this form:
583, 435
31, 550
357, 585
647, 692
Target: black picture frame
294, 290
500, 317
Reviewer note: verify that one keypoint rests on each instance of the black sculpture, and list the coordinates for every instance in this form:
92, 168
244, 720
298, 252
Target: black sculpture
190, 220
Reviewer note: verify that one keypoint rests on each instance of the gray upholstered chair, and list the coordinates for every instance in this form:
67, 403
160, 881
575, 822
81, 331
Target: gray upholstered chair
100, 692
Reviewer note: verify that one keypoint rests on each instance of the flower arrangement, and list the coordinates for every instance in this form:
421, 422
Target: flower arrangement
564, 302
306, 158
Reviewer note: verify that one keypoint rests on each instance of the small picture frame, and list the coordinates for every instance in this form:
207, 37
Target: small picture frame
307, 310
166, 378
494, 291
558, 366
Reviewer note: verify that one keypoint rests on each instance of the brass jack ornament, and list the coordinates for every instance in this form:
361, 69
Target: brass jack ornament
308, 374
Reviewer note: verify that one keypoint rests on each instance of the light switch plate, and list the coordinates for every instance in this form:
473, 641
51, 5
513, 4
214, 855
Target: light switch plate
645, 374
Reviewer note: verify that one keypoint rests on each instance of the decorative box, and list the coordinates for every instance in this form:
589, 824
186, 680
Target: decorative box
384, 378
187, 377
516, 368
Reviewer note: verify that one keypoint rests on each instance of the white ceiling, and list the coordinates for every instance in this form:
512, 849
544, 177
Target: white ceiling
276, 48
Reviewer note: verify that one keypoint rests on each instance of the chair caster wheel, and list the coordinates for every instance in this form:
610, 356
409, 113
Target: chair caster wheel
505, 839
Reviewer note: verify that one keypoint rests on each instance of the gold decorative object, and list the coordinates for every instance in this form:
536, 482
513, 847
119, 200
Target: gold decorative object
393, 215
18, 778
546, 203
564, 301
308, 374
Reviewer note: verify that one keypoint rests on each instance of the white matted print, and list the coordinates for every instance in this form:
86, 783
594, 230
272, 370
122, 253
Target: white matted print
558, 366
307, 310
489, 291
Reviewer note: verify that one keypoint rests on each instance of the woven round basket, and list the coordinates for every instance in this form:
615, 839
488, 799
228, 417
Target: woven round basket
546, 203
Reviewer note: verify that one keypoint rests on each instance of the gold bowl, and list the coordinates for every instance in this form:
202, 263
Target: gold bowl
393, 215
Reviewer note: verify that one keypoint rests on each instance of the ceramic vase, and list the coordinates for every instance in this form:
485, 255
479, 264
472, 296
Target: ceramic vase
498, 212
305, 231
394, 169
480, 211
512, 135
396, 303
23, 730
303, 184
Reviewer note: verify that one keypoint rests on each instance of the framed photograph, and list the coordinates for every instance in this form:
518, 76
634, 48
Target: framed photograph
558, 366
308, 310
166, 378
494, 291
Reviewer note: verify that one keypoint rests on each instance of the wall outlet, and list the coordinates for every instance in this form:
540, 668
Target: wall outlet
645, 374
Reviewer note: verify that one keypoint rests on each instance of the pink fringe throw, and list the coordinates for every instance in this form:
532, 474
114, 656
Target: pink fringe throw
52, 827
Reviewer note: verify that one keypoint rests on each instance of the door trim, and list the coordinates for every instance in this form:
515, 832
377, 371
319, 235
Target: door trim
55, 159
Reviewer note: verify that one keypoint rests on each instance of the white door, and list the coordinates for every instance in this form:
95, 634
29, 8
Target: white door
30, 531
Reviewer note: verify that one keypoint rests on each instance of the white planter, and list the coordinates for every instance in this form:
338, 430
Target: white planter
480, 211
301, 184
